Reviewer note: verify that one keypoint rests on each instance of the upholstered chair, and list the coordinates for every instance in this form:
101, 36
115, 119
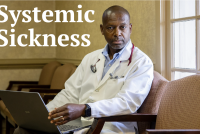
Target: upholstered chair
149, 106
177, 112
179, 107
60, 76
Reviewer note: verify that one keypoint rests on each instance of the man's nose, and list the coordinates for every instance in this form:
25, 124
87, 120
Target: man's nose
117, 32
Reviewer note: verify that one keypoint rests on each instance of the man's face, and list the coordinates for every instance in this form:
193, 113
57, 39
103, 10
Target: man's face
116, 30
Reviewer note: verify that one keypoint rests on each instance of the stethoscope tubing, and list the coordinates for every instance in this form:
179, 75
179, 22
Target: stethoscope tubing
94, 69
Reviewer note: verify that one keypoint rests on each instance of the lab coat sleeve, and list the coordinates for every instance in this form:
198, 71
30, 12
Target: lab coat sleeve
132, 94
71, 92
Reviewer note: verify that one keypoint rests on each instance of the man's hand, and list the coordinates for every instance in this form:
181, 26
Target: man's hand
67, 113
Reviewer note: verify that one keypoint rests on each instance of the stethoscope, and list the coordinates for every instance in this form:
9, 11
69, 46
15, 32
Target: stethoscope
94, 69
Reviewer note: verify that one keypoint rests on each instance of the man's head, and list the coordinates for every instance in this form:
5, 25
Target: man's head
116, 27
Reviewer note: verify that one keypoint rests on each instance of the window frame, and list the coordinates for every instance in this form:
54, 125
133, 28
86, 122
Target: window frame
167, 8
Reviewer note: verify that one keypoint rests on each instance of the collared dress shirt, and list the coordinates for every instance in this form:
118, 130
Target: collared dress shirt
109, 62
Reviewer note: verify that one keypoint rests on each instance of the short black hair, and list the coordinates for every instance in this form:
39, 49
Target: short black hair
115, 8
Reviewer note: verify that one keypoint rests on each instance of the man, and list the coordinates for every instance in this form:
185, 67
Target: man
111, 81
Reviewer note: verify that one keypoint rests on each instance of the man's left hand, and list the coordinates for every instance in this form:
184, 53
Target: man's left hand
67, 113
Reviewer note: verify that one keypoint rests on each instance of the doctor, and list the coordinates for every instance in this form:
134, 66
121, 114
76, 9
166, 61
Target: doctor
110, 81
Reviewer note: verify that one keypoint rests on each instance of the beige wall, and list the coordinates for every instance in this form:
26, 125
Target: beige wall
142, 17
19, 75
22, 28
143, 33
25, 52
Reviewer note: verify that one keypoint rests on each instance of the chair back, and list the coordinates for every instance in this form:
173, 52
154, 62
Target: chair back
152, 102
179, 107
61, 74
47, 73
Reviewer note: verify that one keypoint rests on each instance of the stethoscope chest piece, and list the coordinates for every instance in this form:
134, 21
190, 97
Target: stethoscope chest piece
93, 68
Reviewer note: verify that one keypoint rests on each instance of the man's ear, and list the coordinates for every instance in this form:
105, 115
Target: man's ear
130, 27
101, 28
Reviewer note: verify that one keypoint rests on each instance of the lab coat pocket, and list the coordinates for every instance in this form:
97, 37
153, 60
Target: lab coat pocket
114, 86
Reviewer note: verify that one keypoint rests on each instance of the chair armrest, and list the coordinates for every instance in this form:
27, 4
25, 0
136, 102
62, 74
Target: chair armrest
131, 117
45, 90
98, 123
48, 97
173, 131
11, 83
32, 86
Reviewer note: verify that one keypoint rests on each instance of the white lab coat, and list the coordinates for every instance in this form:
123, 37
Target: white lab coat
108, 97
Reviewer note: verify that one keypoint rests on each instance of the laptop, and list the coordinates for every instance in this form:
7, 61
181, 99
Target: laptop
30, 112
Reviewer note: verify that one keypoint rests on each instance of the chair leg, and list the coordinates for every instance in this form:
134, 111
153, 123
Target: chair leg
152, 125
46, 98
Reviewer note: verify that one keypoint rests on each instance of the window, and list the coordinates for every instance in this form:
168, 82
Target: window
183, 38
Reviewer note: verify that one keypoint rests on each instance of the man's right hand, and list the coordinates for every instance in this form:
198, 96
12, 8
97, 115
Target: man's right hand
67, 113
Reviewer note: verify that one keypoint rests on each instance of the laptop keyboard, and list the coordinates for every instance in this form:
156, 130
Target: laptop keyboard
68, 127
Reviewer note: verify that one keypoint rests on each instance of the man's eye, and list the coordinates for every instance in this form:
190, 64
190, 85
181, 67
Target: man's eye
110, 28
123, 27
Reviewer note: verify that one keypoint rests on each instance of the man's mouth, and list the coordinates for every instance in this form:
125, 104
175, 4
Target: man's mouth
117, 41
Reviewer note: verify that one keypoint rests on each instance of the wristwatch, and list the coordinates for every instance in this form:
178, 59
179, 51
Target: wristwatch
87, 111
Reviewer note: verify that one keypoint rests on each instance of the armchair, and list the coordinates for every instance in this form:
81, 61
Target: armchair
45, 77
177, 111
150, 106
61, 74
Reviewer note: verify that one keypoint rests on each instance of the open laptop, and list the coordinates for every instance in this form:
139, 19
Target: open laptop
30, 112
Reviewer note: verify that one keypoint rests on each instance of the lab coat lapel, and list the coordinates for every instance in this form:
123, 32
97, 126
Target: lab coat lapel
125, 56
112, 68
126, 53
100, 66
